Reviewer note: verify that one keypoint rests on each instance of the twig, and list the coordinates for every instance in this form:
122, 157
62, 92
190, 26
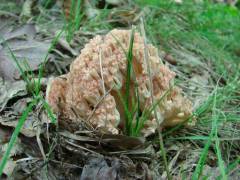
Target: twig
103, 83
81, 147
159, 121
40, 142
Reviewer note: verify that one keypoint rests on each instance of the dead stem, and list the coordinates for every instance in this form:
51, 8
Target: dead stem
158, 120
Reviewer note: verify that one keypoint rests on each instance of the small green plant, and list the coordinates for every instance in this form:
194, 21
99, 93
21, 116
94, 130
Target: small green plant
34, 87
74, 20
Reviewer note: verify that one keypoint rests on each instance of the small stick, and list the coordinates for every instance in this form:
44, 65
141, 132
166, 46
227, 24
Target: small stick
159, 121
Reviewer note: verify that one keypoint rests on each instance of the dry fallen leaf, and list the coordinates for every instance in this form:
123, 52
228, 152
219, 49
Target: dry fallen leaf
30, 126
106, 168
21, 41
98, 169
9, 90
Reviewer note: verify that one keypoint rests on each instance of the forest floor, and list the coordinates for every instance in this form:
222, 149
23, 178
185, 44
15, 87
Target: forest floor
198, 40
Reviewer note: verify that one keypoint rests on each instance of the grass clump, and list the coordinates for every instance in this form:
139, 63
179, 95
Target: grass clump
135, 118
74, 18
211, 32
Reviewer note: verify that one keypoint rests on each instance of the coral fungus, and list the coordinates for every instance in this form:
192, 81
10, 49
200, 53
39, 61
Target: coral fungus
90, 90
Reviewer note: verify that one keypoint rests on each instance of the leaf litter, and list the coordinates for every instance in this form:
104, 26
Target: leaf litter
85, 155
21, 42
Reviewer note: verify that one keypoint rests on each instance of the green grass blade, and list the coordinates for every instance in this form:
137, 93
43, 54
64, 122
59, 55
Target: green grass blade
40, 72
127, 112
231, 167
220, 160
15, 134
198, 170
129, 68
147, 112
138, 118
49, 110
78, 15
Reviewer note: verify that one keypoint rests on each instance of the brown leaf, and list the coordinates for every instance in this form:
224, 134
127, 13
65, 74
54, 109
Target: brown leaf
107, 168
30, 125
9, 90
23, 45
8, 32
98, 169
122, 141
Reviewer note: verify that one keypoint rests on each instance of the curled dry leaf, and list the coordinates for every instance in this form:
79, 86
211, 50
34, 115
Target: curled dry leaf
30, 125
13, 102
10, 90
100, 68
24, 47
